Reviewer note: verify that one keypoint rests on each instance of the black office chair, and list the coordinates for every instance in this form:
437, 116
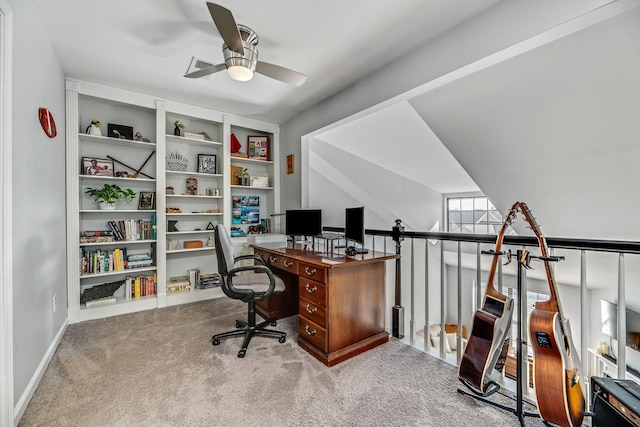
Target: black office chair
249, 288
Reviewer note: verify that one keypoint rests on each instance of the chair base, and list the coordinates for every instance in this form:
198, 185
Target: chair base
249, 331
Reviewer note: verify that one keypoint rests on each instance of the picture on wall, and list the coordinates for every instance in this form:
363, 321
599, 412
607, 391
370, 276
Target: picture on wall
245, 210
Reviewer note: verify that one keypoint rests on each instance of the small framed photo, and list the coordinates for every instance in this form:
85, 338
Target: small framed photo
258, 147
259, 181
207, 163
147, 201
119, 131
97, 167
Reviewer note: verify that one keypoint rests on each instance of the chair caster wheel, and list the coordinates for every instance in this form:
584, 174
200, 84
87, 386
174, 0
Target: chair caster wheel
282, 340
274, 323
215, 341
238, 324
241, 353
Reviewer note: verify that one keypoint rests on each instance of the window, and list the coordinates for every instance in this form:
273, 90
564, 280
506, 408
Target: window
473, 214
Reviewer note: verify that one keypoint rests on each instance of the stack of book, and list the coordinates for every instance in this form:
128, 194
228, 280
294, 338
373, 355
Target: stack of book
209, 280
100, 236
139, 260
178, 284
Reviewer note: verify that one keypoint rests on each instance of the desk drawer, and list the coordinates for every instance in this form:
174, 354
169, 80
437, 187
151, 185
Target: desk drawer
309, 271
283, 263
312, 311
312, 332
313, 291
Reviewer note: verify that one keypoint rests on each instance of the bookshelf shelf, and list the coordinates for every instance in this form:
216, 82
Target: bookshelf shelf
116, 243
197, 174
83, 137
189, 196
192, 141
248, 187
115, 211
244, 160
126, 272
114, 178
155, 119
171, 233
175, 251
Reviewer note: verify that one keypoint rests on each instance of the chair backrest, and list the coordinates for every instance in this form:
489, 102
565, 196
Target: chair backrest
224, 250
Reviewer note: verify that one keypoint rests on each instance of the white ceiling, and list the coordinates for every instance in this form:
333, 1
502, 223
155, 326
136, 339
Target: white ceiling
147, 45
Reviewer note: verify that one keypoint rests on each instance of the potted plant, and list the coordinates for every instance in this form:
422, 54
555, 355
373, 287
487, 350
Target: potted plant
243, 177
108, 195
178, 125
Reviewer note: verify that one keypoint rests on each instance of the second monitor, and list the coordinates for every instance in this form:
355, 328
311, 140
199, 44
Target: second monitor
354, 228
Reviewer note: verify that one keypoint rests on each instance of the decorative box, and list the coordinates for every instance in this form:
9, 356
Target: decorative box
193, 244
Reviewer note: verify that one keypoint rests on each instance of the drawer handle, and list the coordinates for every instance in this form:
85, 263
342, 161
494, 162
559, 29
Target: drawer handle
310, 272
310, 290
273, 259
309, 330
310, 310
287, 263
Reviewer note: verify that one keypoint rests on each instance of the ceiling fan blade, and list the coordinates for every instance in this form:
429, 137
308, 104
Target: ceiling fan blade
206, 71
280, 73
227, 27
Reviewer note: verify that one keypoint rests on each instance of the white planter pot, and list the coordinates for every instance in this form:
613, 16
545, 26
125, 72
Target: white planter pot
107, 206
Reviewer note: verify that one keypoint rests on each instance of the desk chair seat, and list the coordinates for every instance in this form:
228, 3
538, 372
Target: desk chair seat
249, 288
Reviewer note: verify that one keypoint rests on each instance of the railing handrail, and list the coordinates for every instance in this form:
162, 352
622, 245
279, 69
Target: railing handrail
622, 246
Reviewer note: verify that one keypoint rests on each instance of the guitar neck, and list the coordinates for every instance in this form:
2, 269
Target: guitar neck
491, 290
553, 303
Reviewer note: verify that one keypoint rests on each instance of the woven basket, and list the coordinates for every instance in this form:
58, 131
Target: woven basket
177, 166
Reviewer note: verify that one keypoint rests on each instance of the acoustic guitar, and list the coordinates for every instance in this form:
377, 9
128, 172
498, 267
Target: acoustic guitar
488, 343
556, 373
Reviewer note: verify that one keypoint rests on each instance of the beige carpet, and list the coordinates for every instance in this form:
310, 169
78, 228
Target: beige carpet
158, 368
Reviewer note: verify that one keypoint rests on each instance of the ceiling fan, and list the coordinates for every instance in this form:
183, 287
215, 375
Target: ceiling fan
241, 52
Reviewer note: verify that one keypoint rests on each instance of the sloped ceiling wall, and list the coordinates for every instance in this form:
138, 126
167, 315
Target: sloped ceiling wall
557, 127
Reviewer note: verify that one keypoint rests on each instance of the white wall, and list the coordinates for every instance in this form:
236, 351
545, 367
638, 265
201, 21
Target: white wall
39, 232
497, 28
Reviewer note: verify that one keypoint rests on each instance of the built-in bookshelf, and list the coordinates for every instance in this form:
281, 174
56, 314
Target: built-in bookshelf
183, 215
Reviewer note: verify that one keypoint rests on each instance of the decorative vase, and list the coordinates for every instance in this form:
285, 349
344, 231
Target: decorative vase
107, 206
176, 131
244, 180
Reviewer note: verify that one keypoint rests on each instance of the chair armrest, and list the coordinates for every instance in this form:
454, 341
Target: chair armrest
256, 268
250, 256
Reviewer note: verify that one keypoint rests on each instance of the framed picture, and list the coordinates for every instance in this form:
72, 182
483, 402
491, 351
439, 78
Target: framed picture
207, 163
290, 164
258, 147
119, 131
259, 181
98, 167
147, 201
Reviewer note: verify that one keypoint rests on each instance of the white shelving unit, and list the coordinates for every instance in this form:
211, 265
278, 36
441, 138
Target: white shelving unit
155, 118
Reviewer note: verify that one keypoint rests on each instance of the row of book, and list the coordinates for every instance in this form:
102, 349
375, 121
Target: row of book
116, 259
134, 229
123, 230
140, 286
192, 280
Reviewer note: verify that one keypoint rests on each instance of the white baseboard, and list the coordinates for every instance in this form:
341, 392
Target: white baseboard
21, 406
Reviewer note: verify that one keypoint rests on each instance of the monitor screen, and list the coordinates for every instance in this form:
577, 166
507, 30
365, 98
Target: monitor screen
609, 319
303, 222
354, 224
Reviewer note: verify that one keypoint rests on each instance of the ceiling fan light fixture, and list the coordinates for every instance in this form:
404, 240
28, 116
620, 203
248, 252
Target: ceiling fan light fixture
241, 66
240, 73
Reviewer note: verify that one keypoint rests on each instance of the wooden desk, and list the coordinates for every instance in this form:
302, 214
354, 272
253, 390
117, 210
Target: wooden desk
339, 300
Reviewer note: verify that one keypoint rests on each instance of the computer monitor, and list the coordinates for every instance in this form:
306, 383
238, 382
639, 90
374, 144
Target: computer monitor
354, 225
303, 222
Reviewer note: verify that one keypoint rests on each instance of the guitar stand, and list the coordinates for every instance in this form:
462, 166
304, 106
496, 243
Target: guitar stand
518, 410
